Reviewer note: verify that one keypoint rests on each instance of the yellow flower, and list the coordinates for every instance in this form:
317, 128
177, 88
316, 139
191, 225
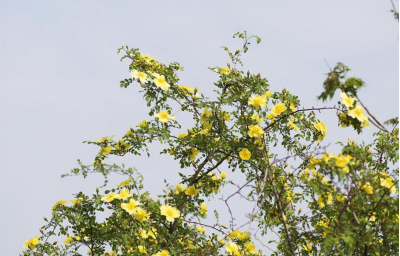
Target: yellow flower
234, 234
200, 229
203, 209
342, 161
293, 125
225, 70
321, 127
223, 175
329, 199
31, 243
292, 107
306, 248
221, 241
320, 202
144, 234
162, 253
327, 157
250, 247
59, 202
130, 207
152, 233
255, 131
373, 217
163, 116
388, 183
365, 124
140, 214
206, 113
125, 183
142, 249
191, 191
340, 199
76, 201
179, 187
104, 139
232, 248
193, 153
68, 240
270, 115
243, 235
257, 101
147, 57
207, 127
358, 113
110, 197
140, 75
143, 124
267, 94
105, 150
182, 135
347, 101
278, 109
367, 188
245, 154
161, 82
186, 88
121, 145
257, 118
171, 213
226, 117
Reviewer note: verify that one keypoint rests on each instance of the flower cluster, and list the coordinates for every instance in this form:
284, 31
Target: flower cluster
351, 197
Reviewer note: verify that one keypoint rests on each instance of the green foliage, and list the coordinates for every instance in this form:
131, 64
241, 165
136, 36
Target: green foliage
392, 122
323, 204
337, 79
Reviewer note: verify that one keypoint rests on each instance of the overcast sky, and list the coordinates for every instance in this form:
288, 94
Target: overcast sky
59, 78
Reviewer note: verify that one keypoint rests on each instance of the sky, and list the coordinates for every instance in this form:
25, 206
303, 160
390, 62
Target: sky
60, 73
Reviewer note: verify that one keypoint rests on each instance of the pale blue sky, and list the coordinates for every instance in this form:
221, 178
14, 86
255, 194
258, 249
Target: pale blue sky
59, 79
